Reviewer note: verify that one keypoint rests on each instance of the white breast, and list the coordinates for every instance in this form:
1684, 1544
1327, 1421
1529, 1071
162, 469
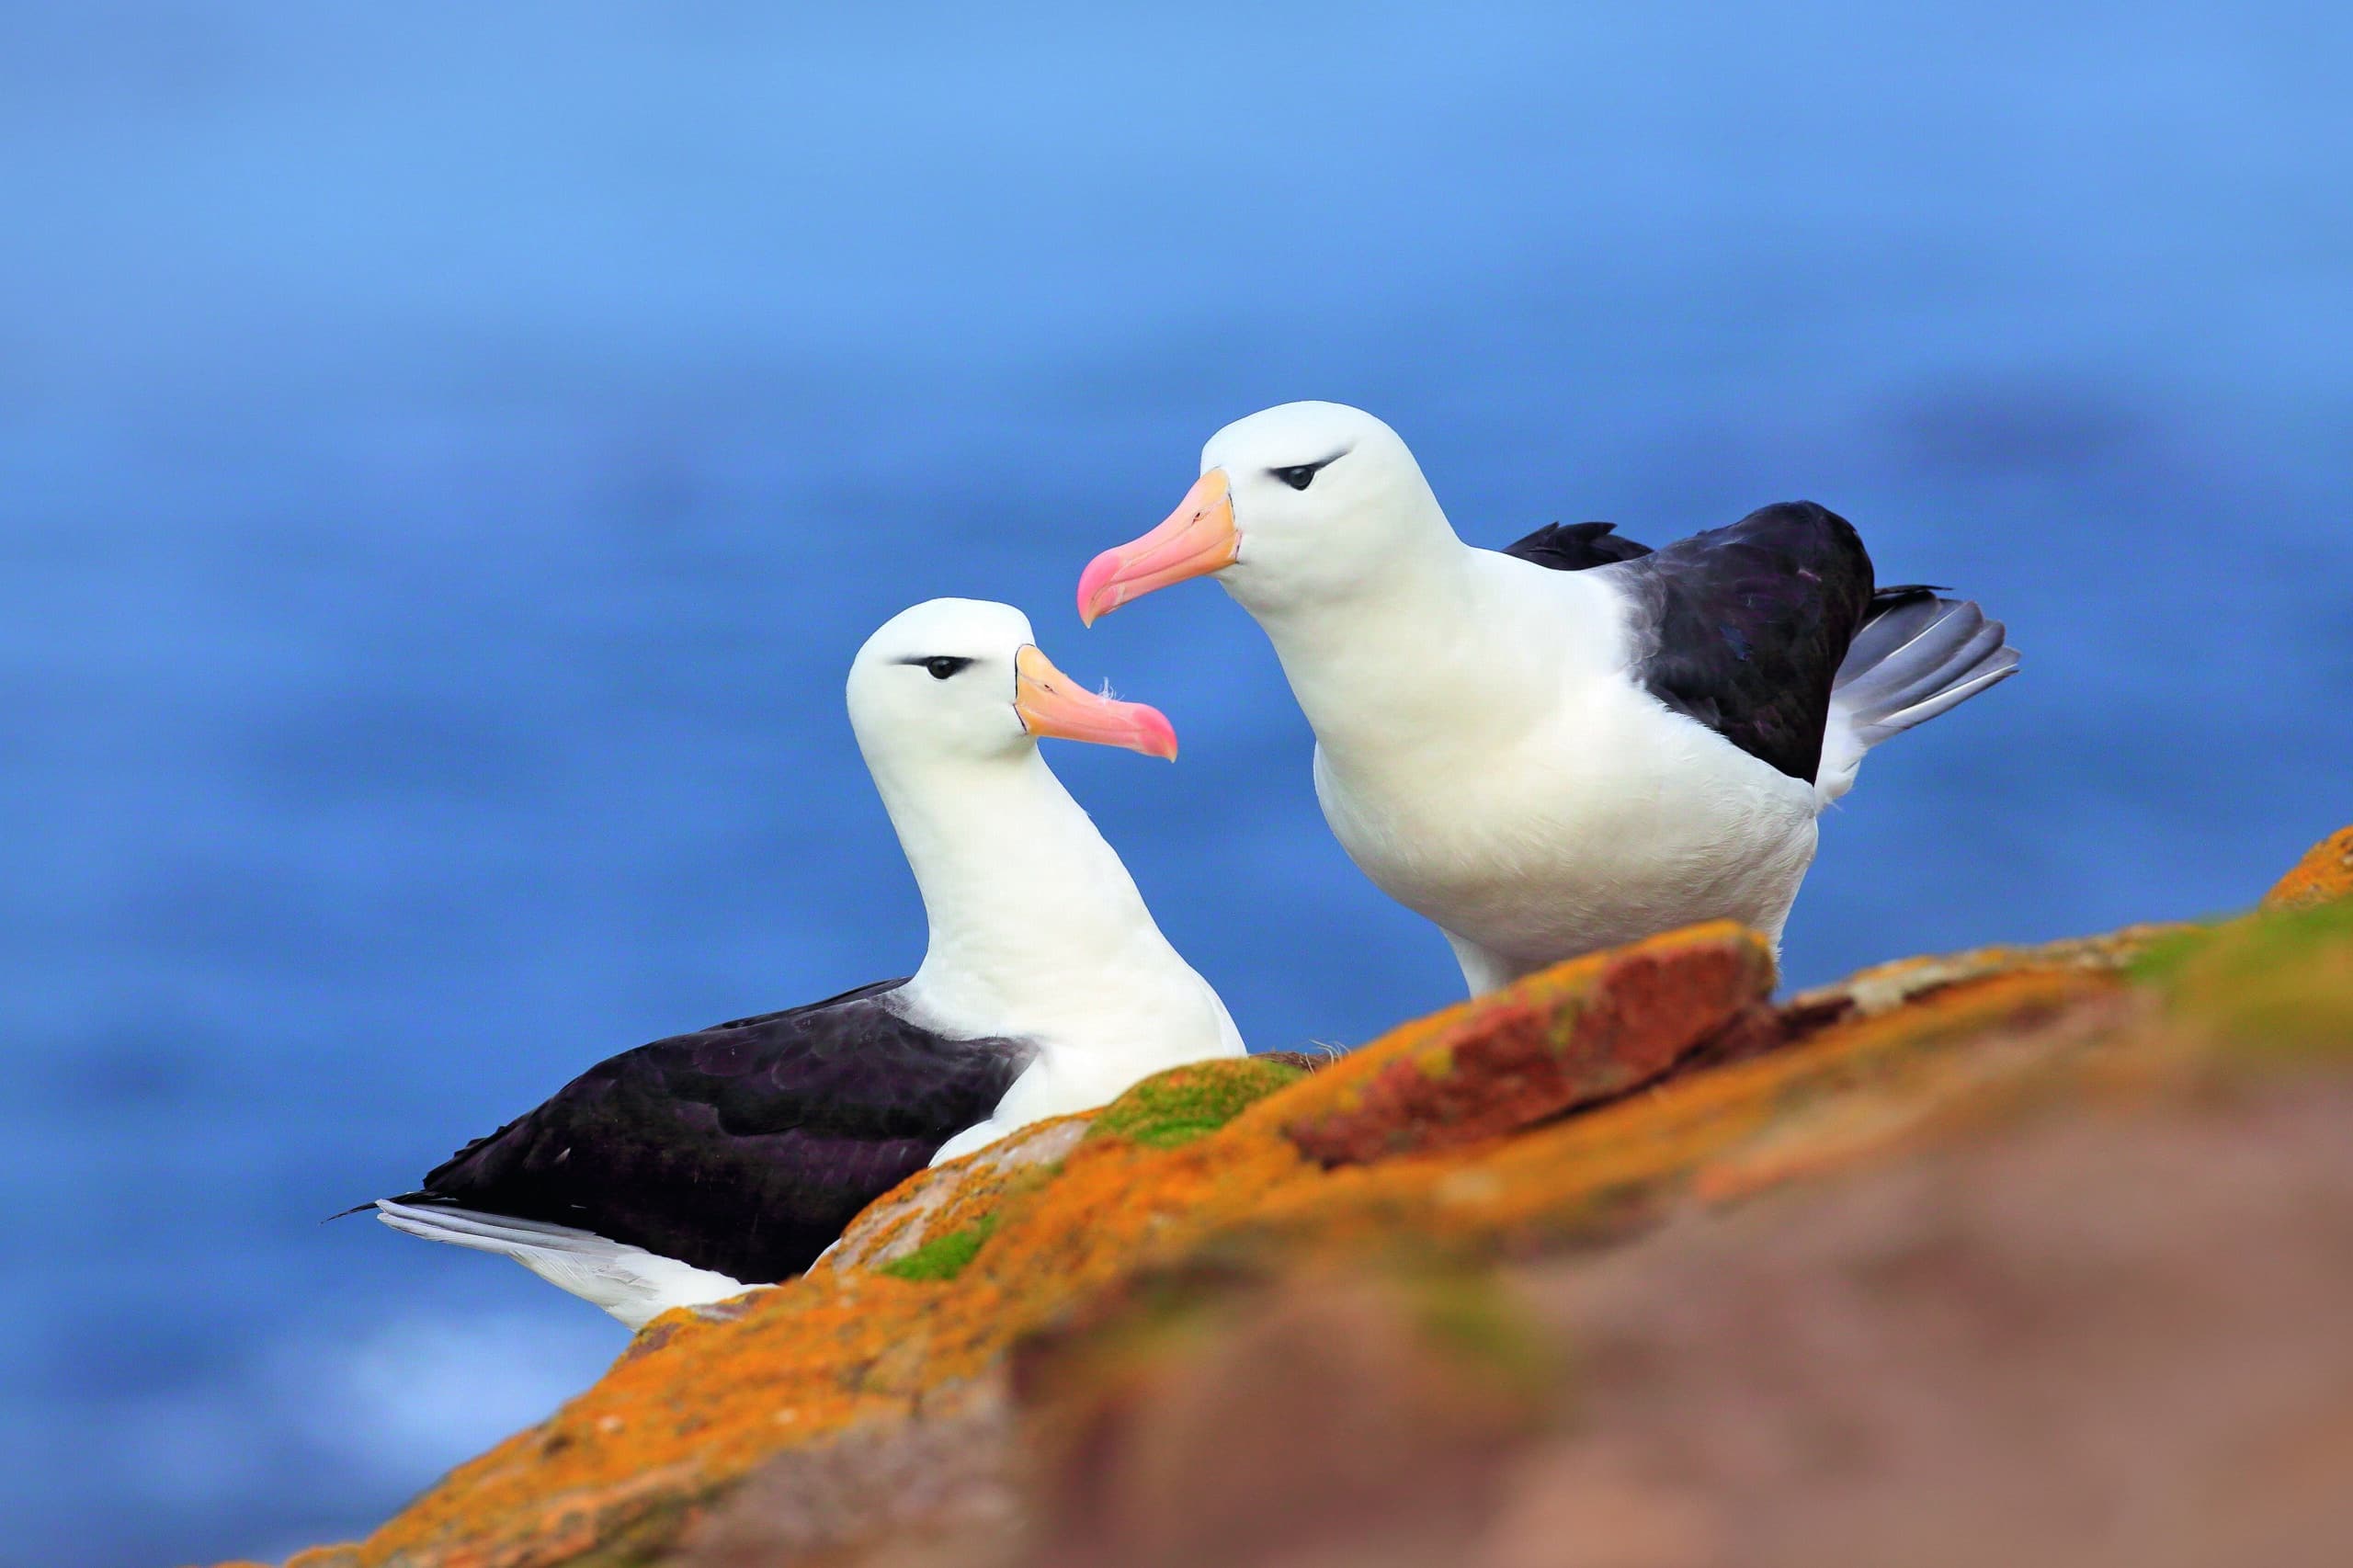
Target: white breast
1577, 811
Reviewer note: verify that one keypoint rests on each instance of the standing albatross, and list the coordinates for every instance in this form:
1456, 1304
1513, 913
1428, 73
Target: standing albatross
1573, 742
696, 1167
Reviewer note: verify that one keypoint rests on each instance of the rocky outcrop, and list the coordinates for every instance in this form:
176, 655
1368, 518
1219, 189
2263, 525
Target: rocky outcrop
2023, 1256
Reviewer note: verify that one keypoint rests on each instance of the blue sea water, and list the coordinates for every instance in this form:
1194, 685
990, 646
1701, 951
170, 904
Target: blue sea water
448, 453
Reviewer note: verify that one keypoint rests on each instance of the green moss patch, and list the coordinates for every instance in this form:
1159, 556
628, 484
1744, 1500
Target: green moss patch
2280, 983
2163, 960
943, 1257
1185, 1103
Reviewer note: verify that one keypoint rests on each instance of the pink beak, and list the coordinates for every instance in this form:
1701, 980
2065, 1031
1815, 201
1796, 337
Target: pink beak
1051, 703
1197, 539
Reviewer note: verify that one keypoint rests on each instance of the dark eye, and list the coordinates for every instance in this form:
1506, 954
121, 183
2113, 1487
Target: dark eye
1299, 477
943, 667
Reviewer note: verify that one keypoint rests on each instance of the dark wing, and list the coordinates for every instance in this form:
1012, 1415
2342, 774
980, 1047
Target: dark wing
1574, 547
744, 1148
1742, 628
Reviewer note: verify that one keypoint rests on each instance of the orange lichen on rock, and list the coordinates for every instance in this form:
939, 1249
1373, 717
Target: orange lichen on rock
1558, 1120
1571, 1035
2323, 876
795, 1363
1840, 1097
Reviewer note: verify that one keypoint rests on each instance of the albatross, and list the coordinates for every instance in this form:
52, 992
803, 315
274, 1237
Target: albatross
1573, 742
702, 1166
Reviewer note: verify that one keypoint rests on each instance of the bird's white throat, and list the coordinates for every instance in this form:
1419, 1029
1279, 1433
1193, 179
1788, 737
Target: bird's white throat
1036, 927
1439, 652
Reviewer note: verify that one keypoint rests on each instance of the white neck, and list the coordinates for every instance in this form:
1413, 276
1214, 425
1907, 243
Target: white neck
1440, 648
1037, 929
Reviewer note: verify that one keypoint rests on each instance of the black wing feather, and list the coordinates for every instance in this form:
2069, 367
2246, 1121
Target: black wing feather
744, 1148
1743, 627
1576, 546
1748, 625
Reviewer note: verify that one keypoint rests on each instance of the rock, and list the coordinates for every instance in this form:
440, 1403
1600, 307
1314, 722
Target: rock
2030, 1256
1578, 1032
1884, 987
2113, 1340
2323, 876
939, 1489
949, 1199
936, 1206
1244, 1422
2109, 1340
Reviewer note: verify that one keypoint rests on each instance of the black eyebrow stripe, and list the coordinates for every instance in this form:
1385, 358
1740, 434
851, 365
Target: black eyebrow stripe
1324, 463
961, 659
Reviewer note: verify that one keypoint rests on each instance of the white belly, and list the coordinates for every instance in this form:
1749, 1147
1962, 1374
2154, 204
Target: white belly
1616, 821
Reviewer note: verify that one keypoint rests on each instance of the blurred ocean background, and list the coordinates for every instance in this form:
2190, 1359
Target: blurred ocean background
449, 452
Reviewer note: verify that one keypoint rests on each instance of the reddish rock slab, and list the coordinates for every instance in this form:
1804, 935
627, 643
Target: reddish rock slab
1569, 1035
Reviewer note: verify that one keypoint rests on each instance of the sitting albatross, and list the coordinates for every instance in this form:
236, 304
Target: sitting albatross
1574, 742
696, 1167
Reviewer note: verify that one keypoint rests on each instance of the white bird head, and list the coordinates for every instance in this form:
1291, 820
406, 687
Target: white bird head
962, 677
1299, 503
1037, 932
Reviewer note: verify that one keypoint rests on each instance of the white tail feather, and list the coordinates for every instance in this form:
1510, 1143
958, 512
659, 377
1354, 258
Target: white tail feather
630, 1282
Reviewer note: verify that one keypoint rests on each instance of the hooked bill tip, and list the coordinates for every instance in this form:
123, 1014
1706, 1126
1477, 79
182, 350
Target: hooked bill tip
1159, 734
1094, 584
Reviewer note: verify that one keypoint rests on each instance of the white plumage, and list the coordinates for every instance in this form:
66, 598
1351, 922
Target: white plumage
1492, 746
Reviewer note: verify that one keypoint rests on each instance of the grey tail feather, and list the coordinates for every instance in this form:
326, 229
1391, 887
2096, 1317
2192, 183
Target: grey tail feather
1920, 657
488, 1232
